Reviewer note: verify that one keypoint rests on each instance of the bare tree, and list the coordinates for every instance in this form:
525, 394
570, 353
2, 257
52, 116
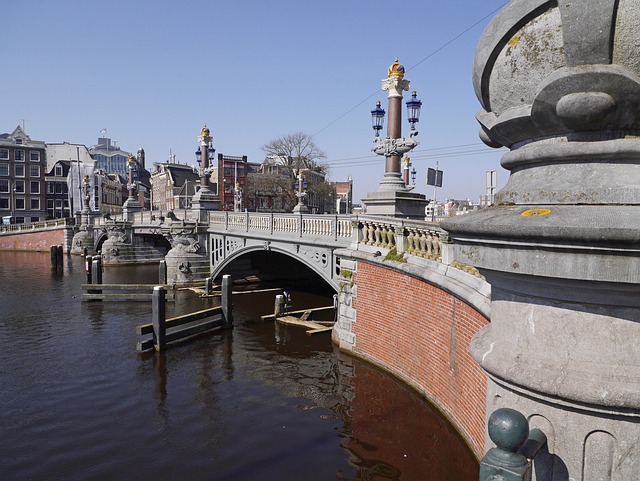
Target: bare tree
291, 153
296, 151
269, 193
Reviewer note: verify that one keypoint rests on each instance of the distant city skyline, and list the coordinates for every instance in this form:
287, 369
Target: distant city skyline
151, 77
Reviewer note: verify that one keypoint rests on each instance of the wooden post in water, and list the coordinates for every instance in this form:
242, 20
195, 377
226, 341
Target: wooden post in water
96, 273
159, 317
208, 285
88, 262
227, 306
278, 307
59, 256
162, 272
96, 270
55, 254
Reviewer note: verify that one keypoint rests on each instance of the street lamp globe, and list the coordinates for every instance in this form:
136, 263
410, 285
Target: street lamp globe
413, 110
377, 118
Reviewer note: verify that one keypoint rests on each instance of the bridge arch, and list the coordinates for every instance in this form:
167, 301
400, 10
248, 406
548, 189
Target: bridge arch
317, 260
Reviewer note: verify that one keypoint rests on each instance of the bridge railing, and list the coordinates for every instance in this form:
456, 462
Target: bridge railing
328, 226
413, 237
146, 216
36, 226
410, 237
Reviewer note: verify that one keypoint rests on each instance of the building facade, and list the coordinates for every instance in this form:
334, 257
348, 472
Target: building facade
57, 191
172, 186
110, 158
231, 178
22, 172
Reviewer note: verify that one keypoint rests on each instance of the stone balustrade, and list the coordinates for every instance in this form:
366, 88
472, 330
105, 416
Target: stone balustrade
33, 226
339, 228
415, 238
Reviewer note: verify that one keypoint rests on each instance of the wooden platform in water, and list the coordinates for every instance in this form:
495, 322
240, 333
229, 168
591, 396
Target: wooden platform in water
311, 326
301, 312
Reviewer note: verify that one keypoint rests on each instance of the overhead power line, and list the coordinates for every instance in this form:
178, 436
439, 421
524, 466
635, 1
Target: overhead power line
446, 44
376, 159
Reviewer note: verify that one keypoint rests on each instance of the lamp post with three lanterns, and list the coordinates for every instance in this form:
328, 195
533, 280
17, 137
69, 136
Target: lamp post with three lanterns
393, 196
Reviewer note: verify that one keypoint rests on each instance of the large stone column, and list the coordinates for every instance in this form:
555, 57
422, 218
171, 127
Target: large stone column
559, 85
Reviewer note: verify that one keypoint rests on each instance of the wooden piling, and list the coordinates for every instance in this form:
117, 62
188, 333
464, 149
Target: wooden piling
56, 257
227, 305
96, 274
278, 308
159, 317
88, 262
162, 272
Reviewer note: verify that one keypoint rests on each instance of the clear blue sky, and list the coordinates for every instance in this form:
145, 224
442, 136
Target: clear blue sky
153, 73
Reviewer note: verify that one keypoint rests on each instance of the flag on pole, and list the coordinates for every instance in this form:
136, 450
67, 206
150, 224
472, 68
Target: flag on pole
103, 131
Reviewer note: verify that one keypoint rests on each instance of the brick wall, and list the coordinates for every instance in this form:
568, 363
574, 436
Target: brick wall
421, 333
34, 241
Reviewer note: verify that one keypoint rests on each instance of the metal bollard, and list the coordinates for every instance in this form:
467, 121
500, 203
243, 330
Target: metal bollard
515, 447
208, 285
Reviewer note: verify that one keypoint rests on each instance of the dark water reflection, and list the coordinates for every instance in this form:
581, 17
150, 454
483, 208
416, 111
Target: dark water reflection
258, 403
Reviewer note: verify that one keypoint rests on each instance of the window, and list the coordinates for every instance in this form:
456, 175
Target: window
35, 219
19, 170
18, 187
58, 171
19, 141
4, 169
4, 185
34, 156
19, 203
50, 187
18, 155
4, 154
35, 203
4, 202
35, 187
34, 170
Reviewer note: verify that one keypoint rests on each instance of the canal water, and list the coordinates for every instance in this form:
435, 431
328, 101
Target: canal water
261, 402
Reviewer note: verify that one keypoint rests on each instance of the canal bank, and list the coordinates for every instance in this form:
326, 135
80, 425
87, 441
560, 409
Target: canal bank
258, 402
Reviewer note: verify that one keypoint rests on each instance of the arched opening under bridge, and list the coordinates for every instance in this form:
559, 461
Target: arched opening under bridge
282, 269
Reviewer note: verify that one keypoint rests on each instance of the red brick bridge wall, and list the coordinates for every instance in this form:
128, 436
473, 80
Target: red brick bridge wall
32, 241
420, 332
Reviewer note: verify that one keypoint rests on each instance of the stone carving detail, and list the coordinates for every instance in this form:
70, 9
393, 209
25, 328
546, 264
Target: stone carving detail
185, 267
233, 245
184, 243
316, 256
117, 234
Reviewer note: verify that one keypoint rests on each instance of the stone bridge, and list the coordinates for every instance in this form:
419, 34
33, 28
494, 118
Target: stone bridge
404, 304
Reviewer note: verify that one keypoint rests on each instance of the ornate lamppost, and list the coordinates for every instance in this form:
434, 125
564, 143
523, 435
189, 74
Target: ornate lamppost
86, 209
393, 196
300, 207
205, 199
131, 205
